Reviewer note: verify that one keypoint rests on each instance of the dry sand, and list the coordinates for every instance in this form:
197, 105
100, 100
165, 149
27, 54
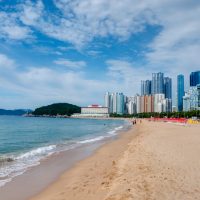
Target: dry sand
157, 161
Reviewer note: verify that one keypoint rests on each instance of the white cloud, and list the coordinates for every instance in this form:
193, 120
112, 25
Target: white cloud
36, 86
126, 76
82, 21
70, 64
79, 22
178, 42
175, 49
31, 12
6, 63
10, 29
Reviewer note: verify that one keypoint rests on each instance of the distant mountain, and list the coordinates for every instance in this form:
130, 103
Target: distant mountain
57, 109
14, 112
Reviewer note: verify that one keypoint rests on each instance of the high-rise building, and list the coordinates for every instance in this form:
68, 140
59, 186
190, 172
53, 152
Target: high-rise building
158, 102
198, 93
108, 99
168, 87
145, 87
157, 84
166, 105
191, 100
194, 78
149, 103
193, 93
114, 102
120, 103
180, 92
131, 105
137, 97
142, 88
186, 102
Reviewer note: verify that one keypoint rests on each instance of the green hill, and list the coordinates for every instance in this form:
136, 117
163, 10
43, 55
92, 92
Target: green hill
57, 109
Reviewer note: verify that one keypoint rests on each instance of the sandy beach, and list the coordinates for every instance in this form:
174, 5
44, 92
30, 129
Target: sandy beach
154, 160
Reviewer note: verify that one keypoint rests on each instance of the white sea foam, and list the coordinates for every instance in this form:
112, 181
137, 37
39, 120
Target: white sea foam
37, 152
3, 182
22, 162
119, 128
111, 133
26, 160
91, 140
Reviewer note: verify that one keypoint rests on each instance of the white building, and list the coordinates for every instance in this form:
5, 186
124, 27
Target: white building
93, 111
107, 99
116, 102
131, 105
193, 93
186, 102
138, 102
191, 100
167, 105
114, 96
159, 102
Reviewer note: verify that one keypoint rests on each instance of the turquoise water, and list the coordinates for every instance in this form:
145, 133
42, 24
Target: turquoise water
25, 141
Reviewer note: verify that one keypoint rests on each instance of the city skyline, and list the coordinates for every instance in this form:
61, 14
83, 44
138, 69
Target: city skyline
58, 51
156, 96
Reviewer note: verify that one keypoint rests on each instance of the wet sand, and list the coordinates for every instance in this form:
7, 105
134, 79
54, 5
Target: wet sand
37, 178
155, 161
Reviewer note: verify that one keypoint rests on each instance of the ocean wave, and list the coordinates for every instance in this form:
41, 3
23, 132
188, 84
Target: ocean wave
37, 152
5, 159
112, 132
119, 128
19, 164
91, 140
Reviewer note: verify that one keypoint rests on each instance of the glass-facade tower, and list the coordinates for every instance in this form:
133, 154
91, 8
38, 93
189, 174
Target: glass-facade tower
145, 87
180, 92
120, 103
168, 87
157, 85
194, 78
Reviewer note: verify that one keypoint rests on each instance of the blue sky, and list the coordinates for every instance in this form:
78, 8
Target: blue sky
76, 50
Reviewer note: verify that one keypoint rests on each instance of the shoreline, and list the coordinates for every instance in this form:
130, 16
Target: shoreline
123, 137
155, 161
20, 187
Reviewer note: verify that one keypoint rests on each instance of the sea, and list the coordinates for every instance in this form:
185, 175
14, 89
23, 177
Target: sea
25, 141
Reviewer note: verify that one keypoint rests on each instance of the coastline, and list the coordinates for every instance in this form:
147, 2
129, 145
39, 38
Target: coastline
44, 174
105, 150
157, 160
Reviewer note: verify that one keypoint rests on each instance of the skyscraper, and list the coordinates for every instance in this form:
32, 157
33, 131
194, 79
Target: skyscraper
157, 85
142, 88
120, 103
168, 87
158, 102
145, 87
194, 78
115, 102
108, 99
180, 92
